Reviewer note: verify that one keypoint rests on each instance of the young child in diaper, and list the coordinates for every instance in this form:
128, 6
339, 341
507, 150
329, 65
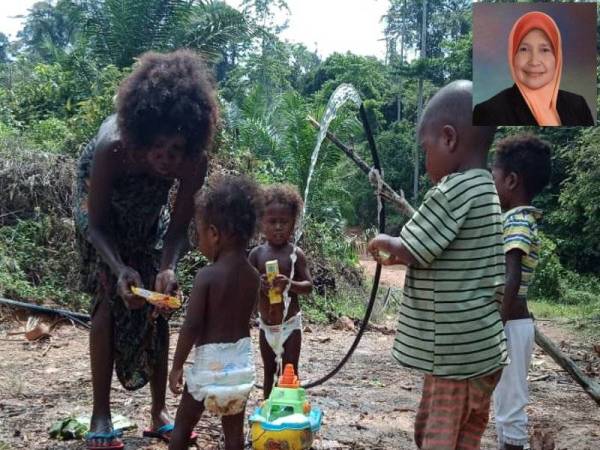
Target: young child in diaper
280, 337
217, 320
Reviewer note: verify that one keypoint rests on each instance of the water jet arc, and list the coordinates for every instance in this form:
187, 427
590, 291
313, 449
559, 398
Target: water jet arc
376, 277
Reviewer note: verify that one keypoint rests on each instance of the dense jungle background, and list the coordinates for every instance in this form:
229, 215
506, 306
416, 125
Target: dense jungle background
58, 80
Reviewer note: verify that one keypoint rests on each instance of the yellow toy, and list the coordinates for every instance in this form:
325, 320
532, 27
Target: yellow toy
157, 299
286, 420
272, 270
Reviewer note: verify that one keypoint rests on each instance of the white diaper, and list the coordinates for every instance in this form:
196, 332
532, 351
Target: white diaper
222, 376
277, 335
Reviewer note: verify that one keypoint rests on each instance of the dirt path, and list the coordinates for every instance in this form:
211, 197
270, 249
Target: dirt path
369, 405
391, 276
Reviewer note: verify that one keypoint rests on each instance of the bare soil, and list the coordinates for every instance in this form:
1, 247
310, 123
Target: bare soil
370, 404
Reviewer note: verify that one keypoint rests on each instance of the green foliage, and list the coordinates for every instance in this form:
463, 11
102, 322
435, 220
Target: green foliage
553, 283
58, 82
367, 74
218, 31
546, 282
50, 26
325, 239
544, 308
119, 30
42, 91
51, 135
327, 308
4, 48
36, 262
188, 267
578, 216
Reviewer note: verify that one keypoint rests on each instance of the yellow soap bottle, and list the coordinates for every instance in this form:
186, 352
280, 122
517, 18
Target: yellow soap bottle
272, 270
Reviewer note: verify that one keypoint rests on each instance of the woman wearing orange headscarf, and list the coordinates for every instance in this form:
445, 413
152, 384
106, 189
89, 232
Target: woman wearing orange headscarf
535, 59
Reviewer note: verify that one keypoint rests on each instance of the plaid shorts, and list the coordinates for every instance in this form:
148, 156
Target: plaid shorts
453, 414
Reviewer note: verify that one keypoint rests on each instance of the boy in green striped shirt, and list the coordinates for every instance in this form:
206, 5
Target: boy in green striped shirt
521, 170
449, 326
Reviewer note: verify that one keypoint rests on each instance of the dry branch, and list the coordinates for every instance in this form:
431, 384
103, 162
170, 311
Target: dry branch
33, 181
397, 200
590, 386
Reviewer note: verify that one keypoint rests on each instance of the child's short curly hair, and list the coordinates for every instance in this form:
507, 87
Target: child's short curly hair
527, 156
233, 204
286, 195
168, 94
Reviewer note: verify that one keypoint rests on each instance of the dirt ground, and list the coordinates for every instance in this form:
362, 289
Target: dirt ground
370, 404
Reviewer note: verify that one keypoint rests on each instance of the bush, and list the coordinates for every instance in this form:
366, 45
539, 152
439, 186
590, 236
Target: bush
325, 239
41, 266
33, 181
328, 308
51, 135
546, 281
555, 284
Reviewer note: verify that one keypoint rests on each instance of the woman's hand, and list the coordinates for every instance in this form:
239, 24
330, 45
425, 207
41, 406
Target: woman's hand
166, 282
128, 277
176, 381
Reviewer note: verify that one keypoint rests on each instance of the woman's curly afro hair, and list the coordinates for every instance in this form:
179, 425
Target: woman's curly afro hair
168, 94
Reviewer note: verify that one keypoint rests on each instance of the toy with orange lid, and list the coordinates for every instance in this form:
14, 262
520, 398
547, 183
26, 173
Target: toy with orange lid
286, 419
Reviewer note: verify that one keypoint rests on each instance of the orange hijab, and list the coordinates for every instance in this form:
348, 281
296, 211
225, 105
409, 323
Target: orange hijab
542, 101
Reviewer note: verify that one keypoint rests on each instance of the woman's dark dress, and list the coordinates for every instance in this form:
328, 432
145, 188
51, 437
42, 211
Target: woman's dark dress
138, 220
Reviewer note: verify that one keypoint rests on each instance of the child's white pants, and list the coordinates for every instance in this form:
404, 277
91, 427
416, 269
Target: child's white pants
511, 395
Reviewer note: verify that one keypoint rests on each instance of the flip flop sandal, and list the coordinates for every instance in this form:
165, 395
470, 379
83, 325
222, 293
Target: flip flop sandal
163, 433
104, 441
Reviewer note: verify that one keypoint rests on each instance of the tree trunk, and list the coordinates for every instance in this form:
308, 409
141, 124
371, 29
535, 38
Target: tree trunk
420, 101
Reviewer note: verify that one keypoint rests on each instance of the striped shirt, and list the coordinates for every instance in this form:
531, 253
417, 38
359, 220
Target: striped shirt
521, 232
449, 322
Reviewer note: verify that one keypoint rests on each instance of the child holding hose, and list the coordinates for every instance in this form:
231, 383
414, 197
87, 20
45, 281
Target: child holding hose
450, 327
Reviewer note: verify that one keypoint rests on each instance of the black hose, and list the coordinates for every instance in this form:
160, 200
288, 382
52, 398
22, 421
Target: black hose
81, 319
365, 321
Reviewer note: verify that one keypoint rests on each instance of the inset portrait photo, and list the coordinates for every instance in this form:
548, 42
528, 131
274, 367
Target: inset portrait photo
534, 64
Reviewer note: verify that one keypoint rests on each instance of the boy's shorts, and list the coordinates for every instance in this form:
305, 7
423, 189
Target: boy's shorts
453, 414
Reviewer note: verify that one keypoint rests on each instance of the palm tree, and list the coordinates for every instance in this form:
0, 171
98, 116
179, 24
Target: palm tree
120, 30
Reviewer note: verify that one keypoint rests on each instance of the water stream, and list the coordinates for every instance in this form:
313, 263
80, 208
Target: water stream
343, 94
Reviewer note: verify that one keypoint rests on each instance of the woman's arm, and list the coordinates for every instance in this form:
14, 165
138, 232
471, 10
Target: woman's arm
107, 159
176, 238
